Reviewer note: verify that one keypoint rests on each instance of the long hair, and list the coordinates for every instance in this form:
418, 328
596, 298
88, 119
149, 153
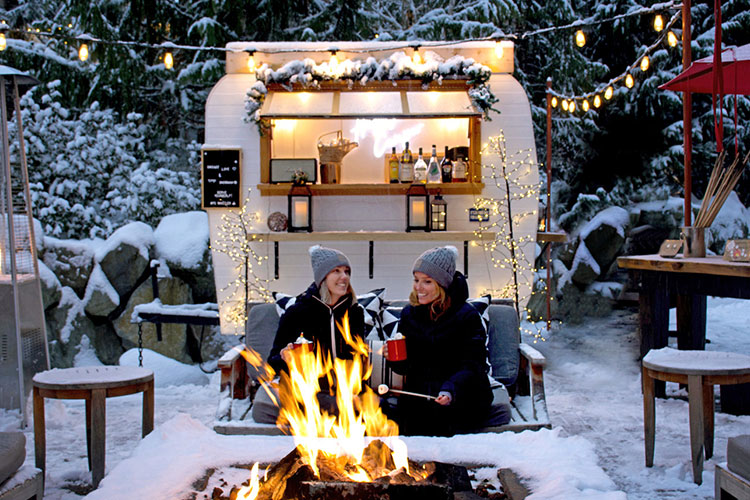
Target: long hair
325, 293
438, 306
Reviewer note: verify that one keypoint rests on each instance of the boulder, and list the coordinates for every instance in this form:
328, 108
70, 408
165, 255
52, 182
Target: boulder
585, 268
182, 241
72, 262
101, 298
174, 336
573, 305
66, 325
124, 257
51, 287
107, 344
604, 236
567, 252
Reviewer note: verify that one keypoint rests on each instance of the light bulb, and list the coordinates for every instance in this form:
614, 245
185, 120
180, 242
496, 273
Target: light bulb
572, 106
498, 50
609, 92
168, 60
416, 57
580, 38
658, 22
83, 52
333, 62
629, 82
585, 105
645, 63
553, 102
597, 101
251, 63
564, 105
672, 39
3, 42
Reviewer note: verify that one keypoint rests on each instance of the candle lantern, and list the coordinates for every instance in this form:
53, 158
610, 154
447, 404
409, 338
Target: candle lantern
300, 209
438, 213
417, 208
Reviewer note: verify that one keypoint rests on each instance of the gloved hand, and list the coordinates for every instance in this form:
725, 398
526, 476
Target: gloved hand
444, 398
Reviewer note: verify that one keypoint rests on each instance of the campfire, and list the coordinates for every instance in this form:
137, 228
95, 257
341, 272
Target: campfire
352, 453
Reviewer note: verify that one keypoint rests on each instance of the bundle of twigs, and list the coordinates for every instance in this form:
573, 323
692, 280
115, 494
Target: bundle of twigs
722, 182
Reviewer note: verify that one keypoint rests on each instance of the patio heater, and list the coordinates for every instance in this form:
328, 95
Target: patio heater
23, 339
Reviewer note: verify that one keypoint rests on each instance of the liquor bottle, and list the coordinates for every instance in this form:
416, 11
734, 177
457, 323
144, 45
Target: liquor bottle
459, 170
406, 167
446, 167
433, 169
393, 167
420, 169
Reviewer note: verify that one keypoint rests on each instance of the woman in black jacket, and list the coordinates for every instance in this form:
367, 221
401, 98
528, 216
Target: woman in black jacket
316, 315
446, 352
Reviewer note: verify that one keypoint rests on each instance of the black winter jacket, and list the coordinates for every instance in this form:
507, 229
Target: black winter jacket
319, 323
448, 354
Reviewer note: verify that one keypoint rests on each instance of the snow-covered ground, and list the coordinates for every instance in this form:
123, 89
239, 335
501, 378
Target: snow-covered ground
595, 449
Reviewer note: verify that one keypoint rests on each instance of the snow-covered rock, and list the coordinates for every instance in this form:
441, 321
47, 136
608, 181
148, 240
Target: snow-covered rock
124, 257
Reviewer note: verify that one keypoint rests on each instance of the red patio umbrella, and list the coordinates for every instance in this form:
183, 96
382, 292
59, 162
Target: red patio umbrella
699, 77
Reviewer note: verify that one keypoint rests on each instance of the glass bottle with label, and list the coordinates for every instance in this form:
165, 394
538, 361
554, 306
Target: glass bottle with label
459, 170
433, 169
420, 169
393, 167
446, 167
406, 167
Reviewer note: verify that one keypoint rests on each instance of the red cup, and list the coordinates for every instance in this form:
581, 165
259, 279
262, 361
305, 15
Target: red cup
396, 349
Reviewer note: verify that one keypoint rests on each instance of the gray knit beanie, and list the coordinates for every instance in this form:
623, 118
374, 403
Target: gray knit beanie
438, 263
323, 261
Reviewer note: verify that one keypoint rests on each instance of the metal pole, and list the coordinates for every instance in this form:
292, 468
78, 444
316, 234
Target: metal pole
687, 109
548, 215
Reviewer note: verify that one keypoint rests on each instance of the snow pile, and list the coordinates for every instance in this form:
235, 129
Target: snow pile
167, 371
183, 238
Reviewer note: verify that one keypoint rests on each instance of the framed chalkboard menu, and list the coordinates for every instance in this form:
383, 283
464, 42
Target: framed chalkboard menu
221, 177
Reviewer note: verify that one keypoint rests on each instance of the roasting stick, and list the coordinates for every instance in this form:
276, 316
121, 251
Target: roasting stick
719, 188
382, 389
712, 182
733, 176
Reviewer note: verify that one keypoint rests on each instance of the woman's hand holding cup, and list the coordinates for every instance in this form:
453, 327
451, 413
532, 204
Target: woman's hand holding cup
395, 348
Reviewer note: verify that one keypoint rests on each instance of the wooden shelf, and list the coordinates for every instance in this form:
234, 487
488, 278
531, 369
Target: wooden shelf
552, 237
371, 189
376, 236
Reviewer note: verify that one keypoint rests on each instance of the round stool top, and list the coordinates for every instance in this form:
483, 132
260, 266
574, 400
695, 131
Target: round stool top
91, 377
671, 360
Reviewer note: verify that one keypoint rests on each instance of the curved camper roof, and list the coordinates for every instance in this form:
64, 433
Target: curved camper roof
364, 216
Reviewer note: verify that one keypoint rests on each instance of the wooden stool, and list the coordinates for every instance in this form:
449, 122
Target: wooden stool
700, 370
94, 384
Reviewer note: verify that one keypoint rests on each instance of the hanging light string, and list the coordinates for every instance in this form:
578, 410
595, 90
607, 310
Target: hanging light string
496, 37
568, 102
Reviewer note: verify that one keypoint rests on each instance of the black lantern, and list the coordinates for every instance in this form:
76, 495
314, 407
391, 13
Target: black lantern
300, 209
438, 213
417, 208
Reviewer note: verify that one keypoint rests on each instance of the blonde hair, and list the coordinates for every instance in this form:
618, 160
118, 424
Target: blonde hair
325, 293
438, 306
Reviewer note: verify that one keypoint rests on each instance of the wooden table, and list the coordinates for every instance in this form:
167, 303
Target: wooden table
685, 282
93, 384
700, 370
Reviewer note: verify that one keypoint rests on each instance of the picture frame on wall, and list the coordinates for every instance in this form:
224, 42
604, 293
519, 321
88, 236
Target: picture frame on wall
287, 169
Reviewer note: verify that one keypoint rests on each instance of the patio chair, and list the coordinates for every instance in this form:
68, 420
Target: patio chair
515, 365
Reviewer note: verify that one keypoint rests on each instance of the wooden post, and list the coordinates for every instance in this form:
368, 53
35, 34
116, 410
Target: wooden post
687, 107
548, 215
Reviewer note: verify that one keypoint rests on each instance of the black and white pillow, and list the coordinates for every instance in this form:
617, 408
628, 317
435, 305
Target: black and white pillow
371, 302
482, 304
391, 315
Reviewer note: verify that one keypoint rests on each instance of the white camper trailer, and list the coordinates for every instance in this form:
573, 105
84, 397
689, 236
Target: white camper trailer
313, 94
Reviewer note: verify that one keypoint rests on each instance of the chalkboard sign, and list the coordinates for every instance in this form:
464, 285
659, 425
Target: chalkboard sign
221, 178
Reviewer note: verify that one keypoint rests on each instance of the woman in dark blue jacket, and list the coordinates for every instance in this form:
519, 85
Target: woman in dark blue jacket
316, 314
446, 352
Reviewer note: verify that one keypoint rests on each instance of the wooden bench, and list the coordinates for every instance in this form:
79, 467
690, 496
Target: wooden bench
700, 370
515, 364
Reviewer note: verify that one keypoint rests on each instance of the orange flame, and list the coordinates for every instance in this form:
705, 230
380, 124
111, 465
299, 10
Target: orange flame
250, 492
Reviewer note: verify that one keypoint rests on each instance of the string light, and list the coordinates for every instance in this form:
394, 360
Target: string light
3, 42
672, 39
597, 101
609, 92
629, 82
83, 52
658, 22
572, 106
580, 38
168, 60
553, 102
564, 105
585, 105
645, 63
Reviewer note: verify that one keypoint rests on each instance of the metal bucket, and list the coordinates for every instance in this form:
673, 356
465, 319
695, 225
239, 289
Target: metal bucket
694, 241
330, 173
